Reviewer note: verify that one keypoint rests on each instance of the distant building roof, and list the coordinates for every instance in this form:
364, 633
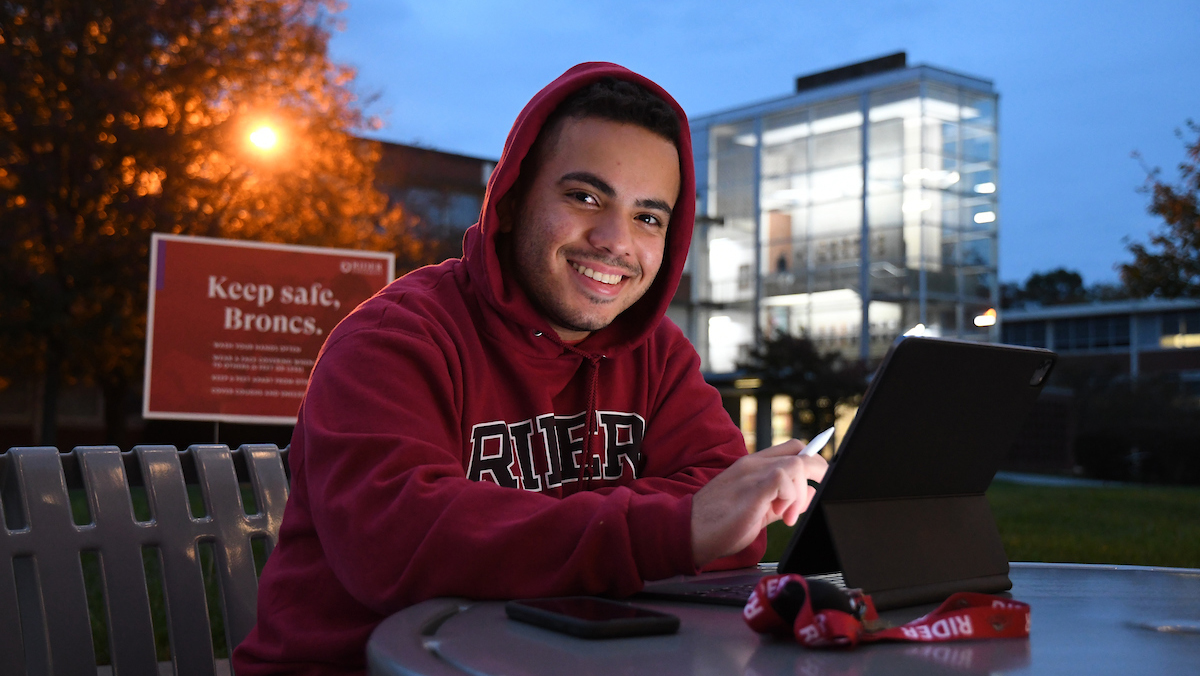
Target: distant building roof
403, 165
853, 79
852, 71
1111, 307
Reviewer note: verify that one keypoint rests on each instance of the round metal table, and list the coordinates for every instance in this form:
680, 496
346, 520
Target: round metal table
1087, 619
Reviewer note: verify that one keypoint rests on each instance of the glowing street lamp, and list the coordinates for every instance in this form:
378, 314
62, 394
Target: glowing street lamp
986, 319
264, 138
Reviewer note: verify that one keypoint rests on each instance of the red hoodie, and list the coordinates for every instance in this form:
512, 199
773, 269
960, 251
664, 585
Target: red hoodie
439, 449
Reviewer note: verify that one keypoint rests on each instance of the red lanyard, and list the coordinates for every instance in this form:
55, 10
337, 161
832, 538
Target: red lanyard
783, 604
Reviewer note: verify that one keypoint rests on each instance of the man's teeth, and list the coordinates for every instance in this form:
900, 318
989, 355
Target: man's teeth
598, 276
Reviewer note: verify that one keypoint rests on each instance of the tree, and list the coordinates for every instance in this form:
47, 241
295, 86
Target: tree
118, 119
1170, 265
793, 365
1057, 287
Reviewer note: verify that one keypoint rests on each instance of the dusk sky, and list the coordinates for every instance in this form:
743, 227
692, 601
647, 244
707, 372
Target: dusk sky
1082, 84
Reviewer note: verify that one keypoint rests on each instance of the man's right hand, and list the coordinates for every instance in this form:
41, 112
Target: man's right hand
759, 489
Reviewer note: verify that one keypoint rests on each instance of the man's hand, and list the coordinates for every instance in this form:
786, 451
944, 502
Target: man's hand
759, 489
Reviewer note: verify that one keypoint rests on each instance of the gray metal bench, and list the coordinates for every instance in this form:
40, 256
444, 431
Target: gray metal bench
45, 625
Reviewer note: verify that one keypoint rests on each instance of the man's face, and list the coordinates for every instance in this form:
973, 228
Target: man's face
588, 237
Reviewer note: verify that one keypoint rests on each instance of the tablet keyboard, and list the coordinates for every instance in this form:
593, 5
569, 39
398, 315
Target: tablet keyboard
741, 592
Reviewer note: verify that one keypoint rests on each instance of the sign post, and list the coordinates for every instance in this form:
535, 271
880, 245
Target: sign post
234, 327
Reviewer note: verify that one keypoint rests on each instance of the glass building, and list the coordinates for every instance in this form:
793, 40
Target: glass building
850, 211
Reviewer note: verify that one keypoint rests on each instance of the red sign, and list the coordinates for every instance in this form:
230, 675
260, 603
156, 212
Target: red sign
234, 327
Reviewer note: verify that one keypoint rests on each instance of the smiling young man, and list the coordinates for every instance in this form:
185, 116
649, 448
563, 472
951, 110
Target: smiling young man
593, 222
523, 421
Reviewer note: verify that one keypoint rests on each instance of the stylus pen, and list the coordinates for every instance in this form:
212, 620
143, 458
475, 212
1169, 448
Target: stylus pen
818, 442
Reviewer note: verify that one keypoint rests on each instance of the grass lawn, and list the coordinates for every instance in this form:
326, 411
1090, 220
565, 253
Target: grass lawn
1142, 525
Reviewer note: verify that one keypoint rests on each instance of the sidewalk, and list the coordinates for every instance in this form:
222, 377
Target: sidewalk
1058, 481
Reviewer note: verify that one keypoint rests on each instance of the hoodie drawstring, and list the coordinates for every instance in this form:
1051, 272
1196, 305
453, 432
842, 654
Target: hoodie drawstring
591, 420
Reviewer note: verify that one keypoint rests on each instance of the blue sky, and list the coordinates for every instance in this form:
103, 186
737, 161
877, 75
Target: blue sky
1082, 84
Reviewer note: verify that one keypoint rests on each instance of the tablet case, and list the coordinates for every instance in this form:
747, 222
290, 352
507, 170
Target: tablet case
902, 512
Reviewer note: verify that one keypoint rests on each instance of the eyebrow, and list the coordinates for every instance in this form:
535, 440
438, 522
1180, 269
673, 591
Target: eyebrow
603, 186
654, 204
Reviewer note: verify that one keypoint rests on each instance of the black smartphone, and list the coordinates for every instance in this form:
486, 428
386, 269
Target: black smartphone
591, 617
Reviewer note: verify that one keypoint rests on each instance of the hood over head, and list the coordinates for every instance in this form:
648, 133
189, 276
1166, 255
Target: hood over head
504, 292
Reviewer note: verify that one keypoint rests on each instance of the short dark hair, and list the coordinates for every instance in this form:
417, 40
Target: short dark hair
618, 101
607, 99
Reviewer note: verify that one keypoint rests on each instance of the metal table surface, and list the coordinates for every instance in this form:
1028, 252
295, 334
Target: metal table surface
1088, 619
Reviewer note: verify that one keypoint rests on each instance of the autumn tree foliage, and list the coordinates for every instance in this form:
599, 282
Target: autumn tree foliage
1170, 265
122, 118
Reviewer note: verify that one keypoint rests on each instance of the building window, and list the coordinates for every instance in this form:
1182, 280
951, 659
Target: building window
745, 277
1180, 323
1120, 330
1029, 334
1180, 329
1091, 333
